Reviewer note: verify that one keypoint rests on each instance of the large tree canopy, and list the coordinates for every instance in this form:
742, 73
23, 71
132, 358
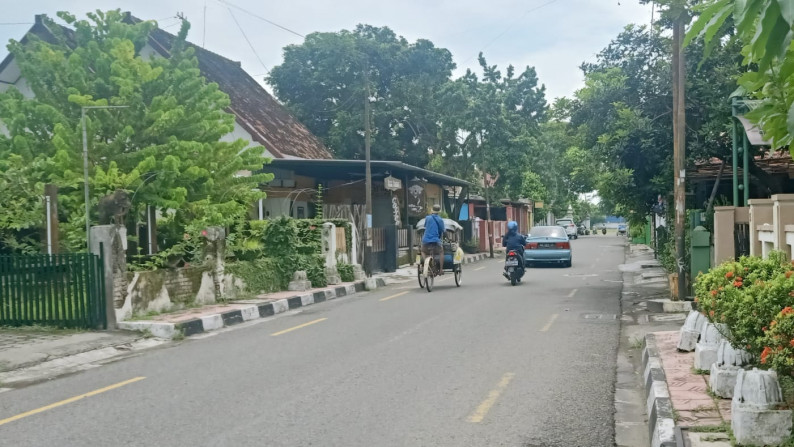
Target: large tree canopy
164, 147
324, 82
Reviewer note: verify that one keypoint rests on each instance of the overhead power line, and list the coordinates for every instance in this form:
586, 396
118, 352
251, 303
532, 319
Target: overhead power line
224, 2
246, 39
509, 27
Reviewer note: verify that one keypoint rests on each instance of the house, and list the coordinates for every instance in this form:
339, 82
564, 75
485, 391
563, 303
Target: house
401, 196
259, 118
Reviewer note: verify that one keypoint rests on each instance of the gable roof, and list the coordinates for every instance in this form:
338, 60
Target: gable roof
268, 122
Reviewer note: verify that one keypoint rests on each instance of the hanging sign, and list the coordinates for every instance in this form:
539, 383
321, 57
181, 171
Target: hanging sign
392, 183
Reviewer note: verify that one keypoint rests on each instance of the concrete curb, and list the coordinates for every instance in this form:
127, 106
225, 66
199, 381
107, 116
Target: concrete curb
235, 316
661, 420
242, 314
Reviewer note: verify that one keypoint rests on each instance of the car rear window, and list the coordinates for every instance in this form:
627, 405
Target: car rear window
548, 232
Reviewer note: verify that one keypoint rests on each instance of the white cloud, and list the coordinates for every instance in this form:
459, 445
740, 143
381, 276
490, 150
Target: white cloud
555, 39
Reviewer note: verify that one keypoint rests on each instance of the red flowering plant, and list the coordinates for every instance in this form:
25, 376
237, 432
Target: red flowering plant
746, 295
778, 352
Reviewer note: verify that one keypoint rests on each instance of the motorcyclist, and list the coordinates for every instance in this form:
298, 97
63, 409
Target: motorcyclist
515, 242
432, 239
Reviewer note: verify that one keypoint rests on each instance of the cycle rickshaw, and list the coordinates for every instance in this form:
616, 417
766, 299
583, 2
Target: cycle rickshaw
428, 268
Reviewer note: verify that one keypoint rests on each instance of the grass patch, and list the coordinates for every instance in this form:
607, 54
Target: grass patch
722, 428
700, 372
145, 316
37, 328
637, 342
179, 335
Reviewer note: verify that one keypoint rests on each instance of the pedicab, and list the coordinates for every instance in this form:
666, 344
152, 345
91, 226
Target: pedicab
427, 268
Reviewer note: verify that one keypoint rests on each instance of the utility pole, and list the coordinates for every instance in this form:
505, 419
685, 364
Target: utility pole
679, 148
488, 215
367, 144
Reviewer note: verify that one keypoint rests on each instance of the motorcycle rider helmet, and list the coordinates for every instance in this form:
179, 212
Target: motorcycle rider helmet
512, 226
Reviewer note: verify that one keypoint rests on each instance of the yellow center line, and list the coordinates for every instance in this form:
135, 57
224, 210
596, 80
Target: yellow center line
548, 325
482, 410
394, 296
573, 292
297, 327
68, 401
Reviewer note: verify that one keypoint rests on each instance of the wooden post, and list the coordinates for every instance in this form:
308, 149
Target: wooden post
51, 219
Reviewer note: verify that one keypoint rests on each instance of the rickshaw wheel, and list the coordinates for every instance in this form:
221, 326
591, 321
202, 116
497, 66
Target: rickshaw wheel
459, 275
430, 278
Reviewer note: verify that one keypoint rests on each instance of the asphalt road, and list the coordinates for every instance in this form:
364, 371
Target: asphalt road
485, 364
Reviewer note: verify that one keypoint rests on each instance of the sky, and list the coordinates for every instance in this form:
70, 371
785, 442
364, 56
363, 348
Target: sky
554, 36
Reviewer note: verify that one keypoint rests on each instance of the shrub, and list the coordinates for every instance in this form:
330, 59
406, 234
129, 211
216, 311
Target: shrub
345, 271
778, 352
262, 275
746, 295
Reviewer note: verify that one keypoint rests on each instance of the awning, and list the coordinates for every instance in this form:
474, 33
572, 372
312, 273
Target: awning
330, 169
754, 134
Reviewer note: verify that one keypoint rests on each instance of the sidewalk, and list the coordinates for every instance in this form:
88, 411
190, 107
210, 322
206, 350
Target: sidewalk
657, 393
643, 280
28, 355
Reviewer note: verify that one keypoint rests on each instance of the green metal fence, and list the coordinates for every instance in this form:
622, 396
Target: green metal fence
66, 290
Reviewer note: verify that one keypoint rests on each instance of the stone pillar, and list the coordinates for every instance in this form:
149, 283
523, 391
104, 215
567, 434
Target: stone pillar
782, 215
329, 253
113, 241
724, 237
760, 214
214, 255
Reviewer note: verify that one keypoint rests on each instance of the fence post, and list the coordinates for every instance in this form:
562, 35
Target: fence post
760, 214
724, 239
114, 241
51, 217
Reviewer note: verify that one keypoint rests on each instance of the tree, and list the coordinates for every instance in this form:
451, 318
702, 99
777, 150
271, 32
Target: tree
623, 114
765, 27
324, 82
490, 125
164, 148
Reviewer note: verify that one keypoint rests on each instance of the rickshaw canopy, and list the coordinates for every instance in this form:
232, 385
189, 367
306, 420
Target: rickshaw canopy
449, 225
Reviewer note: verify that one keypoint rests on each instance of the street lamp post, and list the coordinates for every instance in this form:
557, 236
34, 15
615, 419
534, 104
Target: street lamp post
85, 171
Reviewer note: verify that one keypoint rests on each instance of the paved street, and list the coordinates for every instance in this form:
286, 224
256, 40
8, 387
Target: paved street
486, 364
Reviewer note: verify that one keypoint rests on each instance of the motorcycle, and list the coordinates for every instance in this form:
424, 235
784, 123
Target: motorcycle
513, 267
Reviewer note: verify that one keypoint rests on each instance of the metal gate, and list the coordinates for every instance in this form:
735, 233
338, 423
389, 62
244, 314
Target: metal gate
54, 290
741, 234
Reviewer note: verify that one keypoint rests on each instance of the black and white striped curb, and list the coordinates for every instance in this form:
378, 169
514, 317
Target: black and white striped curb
263, 310
661, 421
241, 314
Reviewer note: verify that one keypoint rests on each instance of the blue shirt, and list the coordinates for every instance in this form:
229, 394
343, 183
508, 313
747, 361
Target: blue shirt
434, 228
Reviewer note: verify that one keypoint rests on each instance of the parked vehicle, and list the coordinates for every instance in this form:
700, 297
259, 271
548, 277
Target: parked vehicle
514, 268
621, 230
570, 227
548, 244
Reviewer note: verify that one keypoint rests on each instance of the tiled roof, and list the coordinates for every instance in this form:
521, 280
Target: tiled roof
269, 123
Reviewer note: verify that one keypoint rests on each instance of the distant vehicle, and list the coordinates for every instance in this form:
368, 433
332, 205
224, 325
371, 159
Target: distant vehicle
621, 230
548, 244
570, 227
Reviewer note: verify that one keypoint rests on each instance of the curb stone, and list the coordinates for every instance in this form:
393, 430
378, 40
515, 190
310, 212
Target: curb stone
661, 420
235, 316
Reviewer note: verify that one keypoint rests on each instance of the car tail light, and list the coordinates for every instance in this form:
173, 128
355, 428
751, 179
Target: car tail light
531, 246
564, 245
